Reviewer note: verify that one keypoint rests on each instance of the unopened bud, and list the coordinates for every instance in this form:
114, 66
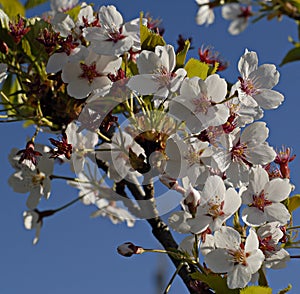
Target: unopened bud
3, 47
192, 199
128, 249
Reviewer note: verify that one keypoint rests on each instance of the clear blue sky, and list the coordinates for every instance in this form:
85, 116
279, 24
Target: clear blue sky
77, 254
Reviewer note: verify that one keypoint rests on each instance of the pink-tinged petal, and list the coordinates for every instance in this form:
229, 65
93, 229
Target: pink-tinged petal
268, 99
277, 190
255, 260
216, 88
261, 154
258, 179
278, 260
144, 84
239, 277
232, 202
178, 222
56, 62
227, 238
256, 132
187, 245
34, 198
199, 224
248, 63
148, 62
237, 26
167, 55
265, 77
191, 88
219, 261
277, 212
109, 16
214, 190
251, 241
252, 216
79, 89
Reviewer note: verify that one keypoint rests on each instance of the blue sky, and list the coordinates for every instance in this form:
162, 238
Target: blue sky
77, 254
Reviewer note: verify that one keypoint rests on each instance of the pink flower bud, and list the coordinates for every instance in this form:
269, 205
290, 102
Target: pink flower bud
127, 249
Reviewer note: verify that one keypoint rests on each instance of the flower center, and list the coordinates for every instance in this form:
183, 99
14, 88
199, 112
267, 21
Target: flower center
247, 86
260, 202
266, 245
193, 156
238, 153
89, 72
215, 210
163, 77
239, 256
114, 35
201, 104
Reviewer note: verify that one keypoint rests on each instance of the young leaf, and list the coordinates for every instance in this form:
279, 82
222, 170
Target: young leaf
256, 290
215, 282
12, 8
196, 68
293, 203
292, 55
181, 56
32, 3
149, 39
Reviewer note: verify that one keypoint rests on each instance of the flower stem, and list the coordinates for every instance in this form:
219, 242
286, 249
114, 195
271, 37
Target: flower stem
68, 179
173, 277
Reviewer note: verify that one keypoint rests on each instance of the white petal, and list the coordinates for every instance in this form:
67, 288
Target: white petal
144, 84
268, 99
216, 88
277, 190
252, 216
219, 261
265, 77
277, 212
227, 238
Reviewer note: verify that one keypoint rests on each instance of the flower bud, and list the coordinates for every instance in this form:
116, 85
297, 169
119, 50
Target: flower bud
192, 199
127, 249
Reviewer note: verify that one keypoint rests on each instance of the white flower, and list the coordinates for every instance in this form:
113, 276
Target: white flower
256, 83
62, 5
263, 199
34, 180
205, 14
238, 15
63, 24
3, 72
156, 72
216, 205
32, 221
89, 73
112, 37
269, 236
191, 159
116, 154
82, 143
240, 261
197, 103
242, 150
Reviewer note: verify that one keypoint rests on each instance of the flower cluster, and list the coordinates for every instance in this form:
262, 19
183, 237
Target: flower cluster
131, 111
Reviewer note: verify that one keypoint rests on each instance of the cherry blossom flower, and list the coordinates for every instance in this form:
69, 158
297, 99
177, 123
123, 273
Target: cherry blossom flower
156, 74
197, 103
216, 205
263, 199
243, 150
238, 15
128, 249
113, 37
32, 179
29, 153
191, 159
89, 73
32, 221
269, 236
205, 14
116, 154
256, 82
240, 261
62, 5
83, 144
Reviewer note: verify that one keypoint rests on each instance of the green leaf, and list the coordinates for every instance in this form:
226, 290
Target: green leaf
149, 39
12, 8
285, 290
32, 3
74, 12
256, 290
196, 68
293, 203
292, 55
215, 282
181, 56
